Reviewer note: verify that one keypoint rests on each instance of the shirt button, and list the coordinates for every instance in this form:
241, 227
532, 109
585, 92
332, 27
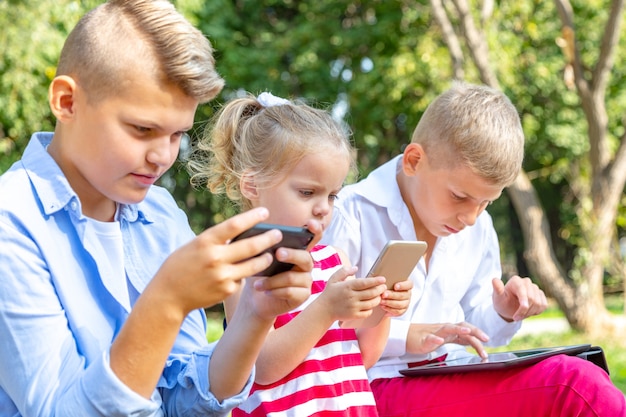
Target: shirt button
73, 205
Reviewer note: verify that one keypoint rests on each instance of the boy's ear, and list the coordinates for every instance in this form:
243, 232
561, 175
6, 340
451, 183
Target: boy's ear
61, 97
411, 158
248, 187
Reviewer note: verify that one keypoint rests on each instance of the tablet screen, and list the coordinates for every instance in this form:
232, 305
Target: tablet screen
496, 360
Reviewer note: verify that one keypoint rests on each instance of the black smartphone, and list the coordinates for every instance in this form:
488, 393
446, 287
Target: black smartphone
293, 237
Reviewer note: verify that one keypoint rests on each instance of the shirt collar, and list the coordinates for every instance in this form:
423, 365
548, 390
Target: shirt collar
53, 189
382, 192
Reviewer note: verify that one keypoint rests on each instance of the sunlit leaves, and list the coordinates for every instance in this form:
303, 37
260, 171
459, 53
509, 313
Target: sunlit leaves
31, 37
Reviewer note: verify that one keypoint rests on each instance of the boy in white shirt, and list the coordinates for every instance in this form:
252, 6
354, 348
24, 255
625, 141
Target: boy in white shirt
467, 147
102, 281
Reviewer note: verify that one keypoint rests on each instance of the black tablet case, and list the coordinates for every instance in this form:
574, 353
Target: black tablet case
588, 352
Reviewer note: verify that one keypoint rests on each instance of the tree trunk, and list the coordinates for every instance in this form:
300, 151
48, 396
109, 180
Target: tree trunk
582, 299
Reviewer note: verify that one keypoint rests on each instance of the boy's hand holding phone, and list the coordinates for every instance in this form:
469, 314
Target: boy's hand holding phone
292, 237
286, 283
209, 268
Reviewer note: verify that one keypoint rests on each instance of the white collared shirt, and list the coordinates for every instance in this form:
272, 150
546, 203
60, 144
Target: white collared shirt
458, 284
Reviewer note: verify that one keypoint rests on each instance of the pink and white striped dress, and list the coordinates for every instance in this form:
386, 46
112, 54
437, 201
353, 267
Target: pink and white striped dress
331, 381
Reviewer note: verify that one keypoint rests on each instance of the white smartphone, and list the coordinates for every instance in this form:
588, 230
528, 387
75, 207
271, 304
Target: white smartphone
395, 262
397, 259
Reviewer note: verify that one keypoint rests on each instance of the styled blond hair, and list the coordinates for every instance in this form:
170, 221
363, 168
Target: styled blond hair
247, 138
149, 35
476, 126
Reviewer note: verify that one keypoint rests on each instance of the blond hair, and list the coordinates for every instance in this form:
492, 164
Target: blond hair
476, 126
148, 35
247, 138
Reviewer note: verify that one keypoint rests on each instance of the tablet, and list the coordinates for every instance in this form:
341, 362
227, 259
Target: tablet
499, 360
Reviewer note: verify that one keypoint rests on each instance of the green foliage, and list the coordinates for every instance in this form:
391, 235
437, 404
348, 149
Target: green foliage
375, 63
215, 328
31, 38
339, 53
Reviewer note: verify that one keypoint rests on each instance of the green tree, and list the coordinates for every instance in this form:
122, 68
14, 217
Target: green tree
31, 37
357, 58
378, 64
597, 177
385, 61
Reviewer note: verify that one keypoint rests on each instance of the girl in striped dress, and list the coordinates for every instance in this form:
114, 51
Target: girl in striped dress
293, 159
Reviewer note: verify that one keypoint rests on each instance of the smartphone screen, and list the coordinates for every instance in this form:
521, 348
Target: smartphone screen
293, 237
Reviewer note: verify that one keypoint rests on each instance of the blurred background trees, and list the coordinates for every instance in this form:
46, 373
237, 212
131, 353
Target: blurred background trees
377, 64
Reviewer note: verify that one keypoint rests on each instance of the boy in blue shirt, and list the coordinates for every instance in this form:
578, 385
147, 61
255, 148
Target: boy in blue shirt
102, 281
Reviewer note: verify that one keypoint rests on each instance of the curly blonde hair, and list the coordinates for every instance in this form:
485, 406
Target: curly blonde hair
247, 138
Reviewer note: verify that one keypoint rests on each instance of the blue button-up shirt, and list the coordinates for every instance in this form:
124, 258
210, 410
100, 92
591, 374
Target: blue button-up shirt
62, 304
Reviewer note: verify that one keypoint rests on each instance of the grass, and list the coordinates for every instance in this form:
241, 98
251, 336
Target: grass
614, 347
214, 326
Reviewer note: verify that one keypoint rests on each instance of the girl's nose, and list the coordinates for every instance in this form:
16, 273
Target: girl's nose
321, 209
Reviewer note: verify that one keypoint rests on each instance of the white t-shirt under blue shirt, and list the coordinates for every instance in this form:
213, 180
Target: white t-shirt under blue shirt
110, 236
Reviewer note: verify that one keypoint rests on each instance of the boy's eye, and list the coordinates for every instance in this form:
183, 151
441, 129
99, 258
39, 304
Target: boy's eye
143, 132
306, 193
457, 197
333, 197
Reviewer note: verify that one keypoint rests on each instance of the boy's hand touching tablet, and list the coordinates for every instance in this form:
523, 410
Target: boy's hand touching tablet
518, 299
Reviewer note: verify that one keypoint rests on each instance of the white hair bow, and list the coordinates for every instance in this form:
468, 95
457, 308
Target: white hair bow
268, 100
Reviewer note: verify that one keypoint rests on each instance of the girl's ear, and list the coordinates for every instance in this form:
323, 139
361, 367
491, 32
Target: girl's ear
248, 187
62, 96
411, 158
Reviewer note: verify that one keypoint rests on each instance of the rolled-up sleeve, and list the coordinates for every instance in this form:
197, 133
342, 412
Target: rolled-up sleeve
185, 381
101, 393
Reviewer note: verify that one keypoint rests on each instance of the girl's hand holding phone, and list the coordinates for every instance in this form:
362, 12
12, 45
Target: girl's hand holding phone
346, 298
285, 291
396, 302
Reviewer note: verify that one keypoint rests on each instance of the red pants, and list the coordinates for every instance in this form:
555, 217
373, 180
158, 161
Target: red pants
561, 386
